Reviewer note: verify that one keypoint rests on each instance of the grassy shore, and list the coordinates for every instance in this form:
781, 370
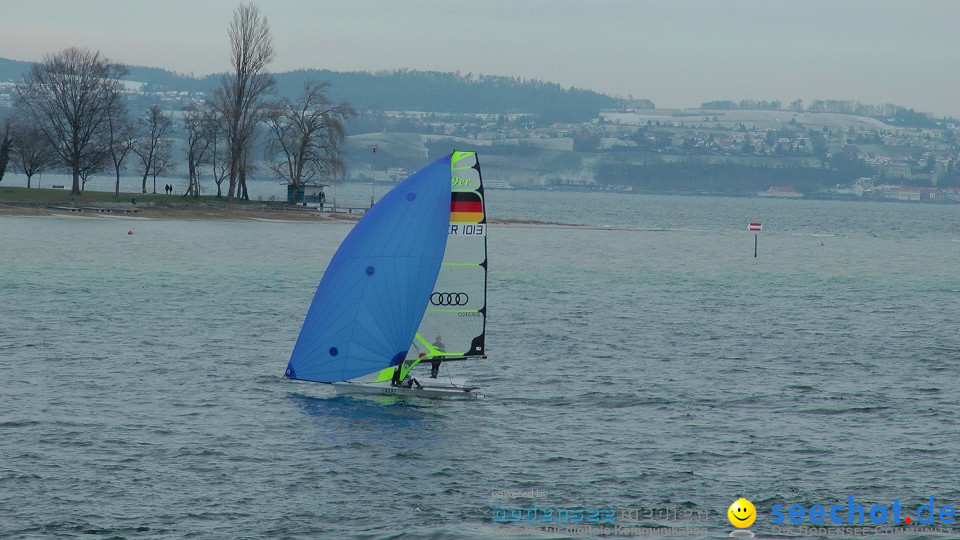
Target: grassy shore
19, 201
41, 202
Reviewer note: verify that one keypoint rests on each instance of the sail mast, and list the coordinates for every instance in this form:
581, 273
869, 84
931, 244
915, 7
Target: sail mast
456, 312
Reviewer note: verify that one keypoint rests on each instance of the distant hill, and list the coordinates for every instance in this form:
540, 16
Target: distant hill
12, 70
160, 79
408, 90
453, 92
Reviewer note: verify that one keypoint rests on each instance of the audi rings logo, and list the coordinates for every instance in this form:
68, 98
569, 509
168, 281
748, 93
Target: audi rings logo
449, 298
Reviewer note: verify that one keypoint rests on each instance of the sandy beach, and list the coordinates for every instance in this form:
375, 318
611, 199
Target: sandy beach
185, 212
237, 213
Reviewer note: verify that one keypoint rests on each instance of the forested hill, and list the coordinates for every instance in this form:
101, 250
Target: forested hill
12, 70
453, 92
408, 90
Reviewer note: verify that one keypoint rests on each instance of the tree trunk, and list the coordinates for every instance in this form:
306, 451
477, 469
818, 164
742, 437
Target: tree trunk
191, 172
75, 188
233, 178
242, 184
116, 192
29, 176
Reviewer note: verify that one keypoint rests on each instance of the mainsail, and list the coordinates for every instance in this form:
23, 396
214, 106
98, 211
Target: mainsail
456, 313
374, 293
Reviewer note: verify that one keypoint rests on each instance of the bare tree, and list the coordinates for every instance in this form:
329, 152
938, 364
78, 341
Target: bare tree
68, 96
121, 137
6, 141
245, 167
219, 150
196, 123
92, 163
240, 93
307, 136
162, 160
154, 125
31, 151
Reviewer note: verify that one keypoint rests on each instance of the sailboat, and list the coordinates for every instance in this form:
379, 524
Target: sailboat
406, 289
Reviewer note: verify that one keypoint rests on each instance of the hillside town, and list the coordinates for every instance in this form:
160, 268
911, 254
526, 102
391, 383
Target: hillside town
789, 153
875, 159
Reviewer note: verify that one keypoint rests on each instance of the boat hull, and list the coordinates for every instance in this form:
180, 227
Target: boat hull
380, 389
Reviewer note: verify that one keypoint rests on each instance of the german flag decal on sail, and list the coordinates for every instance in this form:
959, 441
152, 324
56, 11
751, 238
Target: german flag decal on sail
466, 207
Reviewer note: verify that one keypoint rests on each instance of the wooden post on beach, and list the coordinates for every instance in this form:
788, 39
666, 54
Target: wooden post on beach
755, 227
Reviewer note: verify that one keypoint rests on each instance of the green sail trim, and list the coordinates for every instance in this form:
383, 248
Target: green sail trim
386, 374
456, 157
432, 352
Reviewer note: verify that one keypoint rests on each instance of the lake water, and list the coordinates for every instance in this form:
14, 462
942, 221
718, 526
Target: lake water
645, 362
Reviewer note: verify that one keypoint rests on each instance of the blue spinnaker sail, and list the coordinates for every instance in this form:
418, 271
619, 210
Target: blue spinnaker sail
375, 291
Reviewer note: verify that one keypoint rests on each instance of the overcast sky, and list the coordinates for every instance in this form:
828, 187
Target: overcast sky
673, 52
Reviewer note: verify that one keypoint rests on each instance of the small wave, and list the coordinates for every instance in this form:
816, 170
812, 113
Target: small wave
563, 459
18, 423
815, 235
409, 455
85, 528
621, 400
845, 410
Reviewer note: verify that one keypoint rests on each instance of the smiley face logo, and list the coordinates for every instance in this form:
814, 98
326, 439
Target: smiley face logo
742, 513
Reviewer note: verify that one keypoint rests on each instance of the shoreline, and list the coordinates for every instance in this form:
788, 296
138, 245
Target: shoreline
238, 213
186, 212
